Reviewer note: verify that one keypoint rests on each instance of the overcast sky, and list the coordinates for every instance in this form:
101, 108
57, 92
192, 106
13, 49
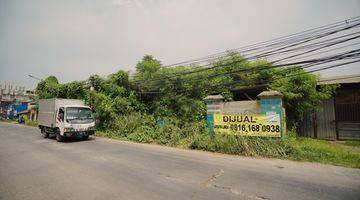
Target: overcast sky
74, 39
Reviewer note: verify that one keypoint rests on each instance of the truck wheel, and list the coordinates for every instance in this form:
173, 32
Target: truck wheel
59, 138
85, 137
44, 133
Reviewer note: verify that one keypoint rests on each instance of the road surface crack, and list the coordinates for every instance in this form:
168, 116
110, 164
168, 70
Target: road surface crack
210, 182
261, 198
213, 177
227, 188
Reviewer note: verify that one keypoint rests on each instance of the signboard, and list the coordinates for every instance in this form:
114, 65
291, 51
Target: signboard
248, 124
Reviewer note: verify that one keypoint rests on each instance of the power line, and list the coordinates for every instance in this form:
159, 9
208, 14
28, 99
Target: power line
239, 81
328, 45
310, 39
273, 52
315, 70
321, 52
280, 72
285, 46
204, 69
268, 66
281, 39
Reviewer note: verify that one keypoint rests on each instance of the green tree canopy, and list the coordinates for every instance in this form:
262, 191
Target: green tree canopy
301, 93
179, 91
48, 88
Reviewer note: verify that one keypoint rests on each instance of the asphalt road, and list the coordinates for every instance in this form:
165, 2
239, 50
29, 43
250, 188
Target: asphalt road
35, 168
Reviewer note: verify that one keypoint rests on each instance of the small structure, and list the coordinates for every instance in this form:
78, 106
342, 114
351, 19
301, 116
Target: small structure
14, 100
339, 117
29, 109
264, 117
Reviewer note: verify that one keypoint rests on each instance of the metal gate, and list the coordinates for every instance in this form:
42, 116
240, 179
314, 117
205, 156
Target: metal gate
347, 113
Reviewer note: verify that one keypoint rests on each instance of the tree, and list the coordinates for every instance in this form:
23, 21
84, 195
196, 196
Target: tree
148, 65
301, 93
96, 82
74, 90
48, 88
120, 78
179, 91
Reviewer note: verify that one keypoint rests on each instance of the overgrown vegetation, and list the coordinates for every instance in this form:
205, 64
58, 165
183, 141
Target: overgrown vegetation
178, 92
302, 149
165, 105
307, 149
197, 137
352, 143
31, 123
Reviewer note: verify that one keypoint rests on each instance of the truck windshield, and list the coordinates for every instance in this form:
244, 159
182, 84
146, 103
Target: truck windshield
81, 115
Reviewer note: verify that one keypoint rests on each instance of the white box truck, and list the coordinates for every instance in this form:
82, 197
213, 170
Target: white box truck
65, 118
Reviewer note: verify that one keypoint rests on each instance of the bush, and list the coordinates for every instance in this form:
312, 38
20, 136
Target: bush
143, 134
249, 146
323, 151
134, 122
202, 142
31, 123
169, 133
142, 128
192, 129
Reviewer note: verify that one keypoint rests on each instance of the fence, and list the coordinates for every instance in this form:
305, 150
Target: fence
264, 117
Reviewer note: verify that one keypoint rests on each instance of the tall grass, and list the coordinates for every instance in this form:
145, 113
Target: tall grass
248, 146
143, 128
307, 149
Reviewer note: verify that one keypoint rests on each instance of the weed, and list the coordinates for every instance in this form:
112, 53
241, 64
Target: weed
354, 143
142, 128
143, 134
322, 151
31, 123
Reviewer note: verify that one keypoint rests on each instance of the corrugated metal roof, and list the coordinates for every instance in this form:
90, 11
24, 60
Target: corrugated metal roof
340, 79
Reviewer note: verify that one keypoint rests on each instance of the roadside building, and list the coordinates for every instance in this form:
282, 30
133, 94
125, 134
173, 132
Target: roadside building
339, 117
16, 100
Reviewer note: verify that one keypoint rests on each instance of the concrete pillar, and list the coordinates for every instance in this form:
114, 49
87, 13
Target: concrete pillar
270, 103
214, 105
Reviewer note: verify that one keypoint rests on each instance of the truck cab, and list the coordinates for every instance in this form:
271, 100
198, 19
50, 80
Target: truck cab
75, 121
65, 118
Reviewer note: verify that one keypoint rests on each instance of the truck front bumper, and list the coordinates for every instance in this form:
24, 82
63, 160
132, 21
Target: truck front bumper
78, 133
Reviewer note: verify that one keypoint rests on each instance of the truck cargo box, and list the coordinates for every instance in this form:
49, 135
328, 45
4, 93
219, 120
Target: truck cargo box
48, 108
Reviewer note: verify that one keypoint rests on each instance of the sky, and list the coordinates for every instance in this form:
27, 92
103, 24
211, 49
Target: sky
72, 39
